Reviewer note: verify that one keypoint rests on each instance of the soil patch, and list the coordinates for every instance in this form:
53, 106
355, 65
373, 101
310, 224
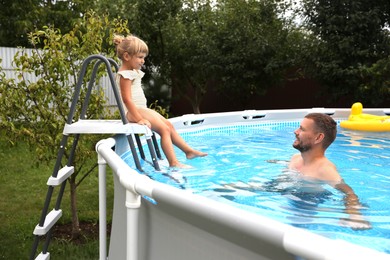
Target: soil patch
88, 231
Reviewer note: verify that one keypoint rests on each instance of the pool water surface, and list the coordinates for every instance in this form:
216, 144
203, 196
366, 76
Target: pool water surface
246, 167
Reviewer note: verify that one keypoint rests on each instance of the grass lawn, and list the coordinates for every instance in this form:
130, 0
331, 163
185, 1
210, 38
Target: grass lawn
23, 192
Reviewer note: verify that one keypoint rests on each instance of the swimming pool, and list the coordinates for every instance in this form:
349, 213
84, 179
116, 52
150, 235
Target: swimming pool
246, 168
248, 156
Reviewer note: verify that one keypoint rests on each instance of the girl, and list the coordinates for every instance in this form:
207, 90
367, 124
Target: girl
132, 52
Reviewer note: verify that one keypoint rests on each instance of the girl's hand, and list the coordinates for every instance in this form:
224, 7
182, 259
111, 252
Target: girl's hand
144, 122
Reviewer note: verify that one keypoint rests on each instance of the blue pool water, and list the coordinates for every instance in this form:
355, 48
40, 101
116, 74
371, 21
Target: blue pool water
246, 167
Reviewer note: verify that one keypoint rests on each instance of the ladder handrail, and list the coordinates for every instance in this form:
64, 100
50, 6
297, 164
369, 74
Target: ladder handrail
92, 81
79, 84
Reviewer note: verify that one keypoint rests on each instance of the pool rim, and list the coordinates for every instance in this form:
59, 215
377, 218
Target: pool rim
289, 240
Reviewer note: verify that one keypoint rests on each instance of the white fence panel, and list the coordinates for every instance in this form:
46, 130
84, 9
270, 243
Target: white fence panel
7, 56
109, 94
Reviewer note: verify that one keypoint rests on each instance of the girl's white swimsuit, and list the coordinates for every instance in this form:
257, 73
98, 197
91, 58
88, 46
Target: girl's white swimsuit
137, 93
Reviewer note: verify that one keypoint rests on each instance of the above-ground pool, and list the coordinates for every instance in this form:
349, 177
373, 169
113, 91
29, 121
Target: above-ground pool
246, 167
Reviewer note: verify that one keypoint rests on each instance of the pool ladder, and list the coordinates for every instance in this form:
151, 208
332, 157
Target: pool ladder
88, 126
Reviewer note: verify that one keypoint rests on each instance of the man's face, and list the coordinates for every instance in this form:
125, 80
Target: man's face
305, 136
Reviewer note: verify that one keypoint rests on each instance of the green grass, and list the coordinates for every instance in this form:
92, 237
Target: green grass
23, 192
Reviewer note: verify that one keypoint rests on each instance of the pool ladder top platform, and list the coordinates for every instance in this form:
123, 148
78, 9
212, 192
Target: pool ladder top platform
96, 126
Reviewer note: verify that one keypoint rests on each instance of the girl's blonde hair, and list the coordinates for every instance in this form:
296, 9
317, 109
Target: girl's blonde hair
130, 44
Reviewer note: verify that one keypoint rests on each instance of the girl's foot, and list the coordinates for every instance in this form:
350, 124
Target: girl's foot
180, 165
194, 154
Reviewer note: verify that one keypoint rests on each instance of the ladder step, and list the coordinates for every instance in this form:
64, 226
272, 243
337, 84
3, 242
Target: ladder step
43, 256
63, 174
50, 220
95, 126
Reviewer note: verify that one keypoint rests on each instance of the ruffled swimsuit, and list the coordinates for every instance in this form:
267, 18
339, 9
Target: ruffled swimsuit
137, 93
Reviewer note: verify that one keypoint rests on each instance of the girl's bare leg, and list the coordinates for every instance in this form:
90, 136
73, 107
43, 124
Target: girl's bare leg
179, 142
166, 142
169, 136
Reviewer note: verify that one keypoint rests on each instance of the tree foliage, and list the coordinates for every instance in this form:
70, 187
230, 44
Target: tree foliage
256, 47
18, 18
239, 48
351, 48
191, 51
149, 20
37, 110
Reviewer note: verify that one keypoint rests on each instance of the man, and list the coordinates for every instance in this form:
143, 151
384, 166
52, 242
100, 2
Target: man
316, 132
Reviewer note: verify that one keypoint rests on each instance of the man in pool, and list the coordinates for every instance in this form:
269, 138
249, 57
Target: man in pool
315, 134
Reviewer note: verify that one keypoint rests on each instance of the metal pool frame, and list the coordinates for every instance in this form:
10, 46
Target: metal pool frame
152, 220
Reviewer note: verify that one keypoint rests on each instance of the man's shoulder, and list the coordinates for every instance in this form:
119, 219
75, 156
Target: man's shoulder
328, 171
295, 159
296, 156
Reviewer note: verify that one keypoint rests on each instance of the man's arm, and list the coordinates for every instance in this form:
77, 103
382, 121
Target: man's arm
352, 207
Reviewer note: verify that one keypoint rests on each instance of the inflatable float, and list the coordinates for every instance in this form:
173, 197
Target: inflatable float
357, 120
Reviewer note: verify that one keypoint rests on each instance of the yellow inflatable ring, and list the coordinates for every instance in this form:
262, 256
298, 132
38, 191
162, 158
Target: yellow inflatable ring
365, 122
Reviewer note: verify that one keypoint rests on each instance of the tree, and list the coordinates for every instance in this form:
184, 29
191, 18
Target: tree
191, 51
350, 46
257, 47
240, 48
37, 111
18, 18
148, 19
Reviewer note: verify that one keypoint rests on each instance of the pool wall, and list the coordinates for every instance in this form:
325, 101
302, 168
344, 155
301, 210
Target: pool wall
169, 223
